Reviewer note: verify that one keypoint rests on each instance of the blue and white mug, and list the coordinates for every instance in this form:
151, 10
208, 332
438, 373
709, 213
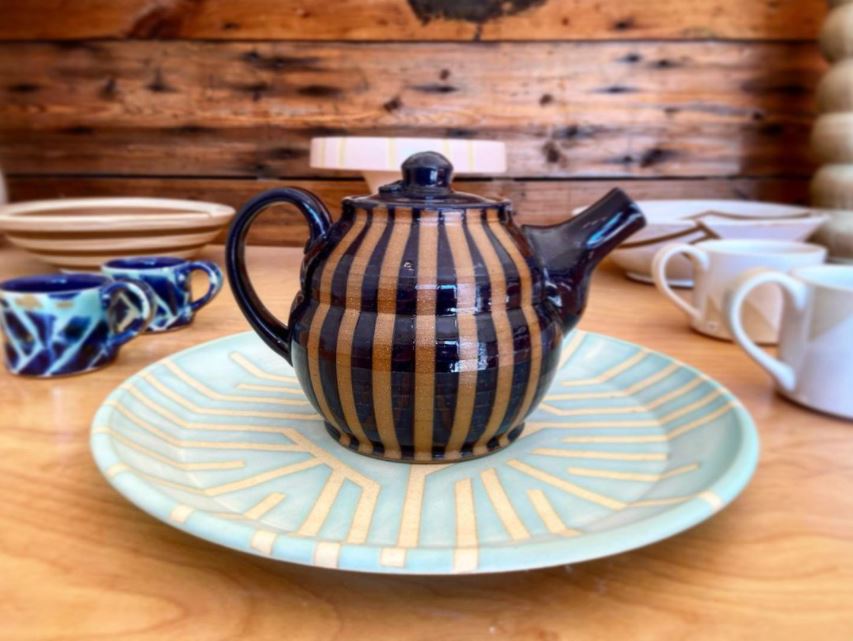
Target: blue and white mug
169, 280
59, 324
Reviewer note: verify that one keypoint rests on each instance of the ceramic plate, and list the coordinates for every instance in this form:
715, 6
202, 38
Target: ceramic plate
692, 221
629, 447
80, 234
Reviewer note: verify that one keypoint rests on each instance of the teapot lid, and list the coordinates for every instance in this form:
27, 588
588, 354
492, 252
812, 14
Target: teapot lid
426, 182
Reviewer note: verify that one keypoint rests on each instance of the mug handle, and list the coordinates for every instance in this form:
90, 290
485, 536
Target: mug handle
214, 276
700, 263
271, 330
796, 293
146, 309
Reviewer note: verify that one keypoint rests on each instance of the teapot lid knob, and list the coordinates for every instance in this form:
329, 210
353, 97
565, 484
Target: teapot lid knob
426, 183
427, 174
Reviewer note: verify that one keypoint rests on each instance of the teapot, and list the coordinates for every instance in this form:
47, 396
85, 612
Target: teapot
428, 325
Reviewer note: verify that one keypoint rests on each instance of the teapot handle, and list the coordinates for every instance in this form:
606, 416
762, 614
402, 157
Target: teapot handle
273, 331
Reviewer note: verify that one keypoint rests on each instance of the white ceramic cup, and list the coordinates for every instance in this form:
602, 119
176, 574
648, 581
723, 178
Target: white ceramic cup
815, 364
716, 263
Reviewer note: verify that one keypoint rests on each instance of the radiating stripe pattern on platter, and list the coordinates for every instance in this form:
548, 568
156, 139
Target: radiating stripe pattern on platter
214, 454
425, 334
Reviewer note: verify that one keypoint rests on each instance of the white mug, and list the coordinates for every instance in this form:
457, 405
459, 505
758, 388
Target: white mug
815, 364
716, 263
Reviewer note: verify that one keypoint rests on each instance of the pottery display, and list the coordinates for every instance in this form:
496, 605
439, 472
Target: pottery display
428, 325
716, 263
80, 234
814, 366
692, 221
832, 185
169, 281
57, 324
379, 159
836, 34
629, 447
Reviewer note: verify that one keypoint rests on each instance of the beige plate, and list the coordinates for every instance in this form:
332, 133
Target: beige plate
83, 233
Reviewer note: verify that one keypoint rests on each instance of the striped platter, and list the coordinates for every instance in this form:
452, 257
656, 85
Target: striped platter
80, 234
627, 448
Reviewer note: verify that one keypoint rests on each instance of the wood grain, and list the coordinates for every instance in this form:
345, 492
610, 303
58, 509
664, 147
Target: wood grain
535, 202
411, 20
79, 562
567, 109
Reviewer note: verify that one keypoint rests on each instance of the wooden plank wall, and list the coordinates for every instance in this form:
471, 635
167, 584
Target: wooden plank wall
217, 99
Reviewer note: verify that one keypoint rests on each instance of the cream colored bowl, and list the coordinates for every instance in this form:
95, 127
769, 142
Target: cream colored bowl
691, 221
379, 159
79, 234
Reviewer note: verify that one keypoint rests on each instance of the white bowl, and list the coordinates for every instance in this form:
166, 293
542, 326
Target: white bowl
379, 159
79, 234
691, 221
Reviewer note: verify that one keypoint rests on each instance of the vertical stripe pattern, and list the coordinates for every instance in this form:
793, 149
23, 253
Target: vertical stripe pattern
530, 318
386, 309
325, 295
346, 332
435, 326
425, 338
503, 331
467, 343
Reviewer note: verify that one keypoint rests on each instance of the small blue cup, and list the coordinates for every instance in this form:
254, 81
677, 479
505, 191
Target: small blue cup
169, 280
60, 324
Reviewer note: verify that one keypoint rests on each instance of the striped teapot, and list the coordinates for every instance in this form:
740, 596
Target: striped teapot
428, 324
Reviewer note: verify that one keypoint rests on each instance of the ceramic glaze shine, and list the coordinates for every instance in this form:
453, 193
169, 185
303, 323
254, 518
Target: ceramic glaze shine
427, 333
429, 325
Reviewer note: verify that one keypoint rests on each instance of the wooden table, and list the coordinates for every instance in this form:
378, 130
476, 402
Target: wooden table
79, 562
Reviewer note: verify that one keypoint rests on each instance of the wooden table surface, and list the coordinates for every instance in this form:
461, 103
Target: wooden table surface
79, 562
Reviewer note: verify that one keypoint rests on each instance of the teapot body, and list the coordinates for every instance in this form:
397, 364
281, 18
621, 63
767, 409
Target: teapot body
424, 333
428, 325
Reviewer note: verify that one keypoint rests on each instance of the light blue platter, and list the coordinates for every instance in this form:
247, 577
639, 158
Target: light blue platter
628, 448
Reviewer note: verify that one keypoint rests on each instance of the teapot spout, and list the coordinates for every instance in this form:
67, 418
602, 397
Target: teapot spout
570, 250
